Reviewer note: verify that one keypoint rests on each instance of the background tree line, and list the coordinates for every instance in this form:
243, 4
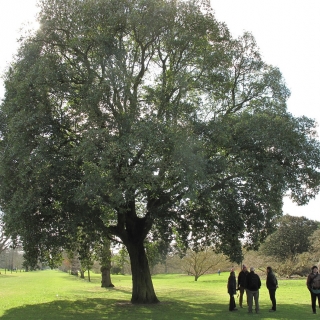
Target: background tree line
291, 250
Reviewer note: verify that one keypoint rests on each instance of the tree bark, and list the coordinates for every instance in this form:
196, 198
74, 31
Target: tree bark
75, 264
132, 230
142, 286
106, 277
105, 260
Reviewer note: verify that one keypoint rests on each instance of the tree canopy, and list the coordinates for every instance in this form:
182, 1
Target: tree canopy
144, 118
291, 238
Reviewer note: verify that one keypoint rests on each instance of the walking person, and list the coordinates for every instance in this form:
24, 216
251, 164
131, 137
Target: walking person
242, 284
253, 284
232, 289
272, 285
313, 284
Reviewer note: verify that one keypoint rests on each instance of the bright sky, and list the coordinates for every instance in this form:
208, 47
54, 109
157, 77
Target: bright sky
287, 32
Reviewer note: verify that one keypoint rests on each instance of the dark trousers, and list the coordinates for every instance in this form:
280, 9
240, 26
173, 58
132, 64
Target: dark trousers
314, 299
272, 294
242, 290
232, 303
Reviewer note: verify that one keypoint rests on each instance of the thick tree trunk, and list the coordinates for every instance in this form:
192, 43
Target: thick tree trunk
106, 277
105, 260
132, 230
142, 287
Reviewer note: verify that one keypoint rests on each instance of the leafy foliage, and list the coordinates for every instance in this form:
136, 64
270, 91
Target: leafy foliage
291, 238
314, 248
156, 253
119, 260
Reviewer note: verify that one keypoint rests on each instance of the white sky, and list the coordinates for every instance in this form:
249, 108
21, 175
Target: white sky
287, 32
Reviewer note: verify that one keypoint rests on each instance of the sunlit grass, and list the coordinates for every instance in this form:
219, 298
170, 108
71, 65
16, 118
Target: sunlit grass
55, 295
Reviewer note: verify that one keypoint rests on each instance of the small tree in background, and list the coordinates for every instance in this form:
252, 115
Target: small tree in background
198, 263
65, 263
256, 259
156, 253
120, 260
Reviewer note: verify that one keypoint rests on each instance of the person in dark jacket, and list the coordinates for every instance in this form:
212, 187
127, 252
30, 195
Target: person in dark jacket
313, 284
242, 283
253, 284
232, 289
272, 285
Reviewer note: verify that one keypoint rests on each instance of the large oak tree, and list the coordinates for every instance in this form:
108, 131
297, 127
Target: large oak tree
145, 118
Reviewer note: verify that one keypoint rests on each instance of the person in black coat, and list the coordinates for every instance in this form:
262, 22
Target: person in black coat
272, 285
242, 284
253, 284
232, 289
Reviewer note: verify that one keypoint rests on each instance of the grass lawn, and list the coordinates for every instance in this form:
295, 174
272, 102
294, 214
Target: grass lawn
52, 295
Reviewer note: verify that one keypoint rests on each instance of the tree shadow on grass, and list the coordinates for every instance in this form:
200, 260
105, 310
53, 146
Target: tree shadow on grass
174, 309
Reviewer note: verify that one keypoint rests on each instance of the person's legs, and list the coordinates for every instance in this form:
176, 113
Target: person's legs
250, 300
256, 300
272, 294
232, 303
313, 301
241, 290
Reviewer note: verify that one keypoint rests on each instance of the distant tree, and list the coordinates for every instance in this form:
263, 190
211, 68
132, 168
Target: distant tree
291, 238
65, 263
299, 265
198, 263
173, 263
12, 258
86, 260
314, 248
156, 253
4, 240
257, 259
73, 257
119, 260
104, 256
